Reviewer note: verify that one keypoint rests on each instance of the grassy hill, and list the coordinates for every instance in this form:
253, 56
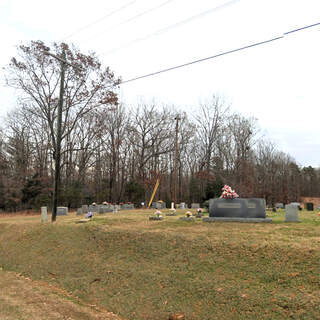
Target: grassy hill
141, 269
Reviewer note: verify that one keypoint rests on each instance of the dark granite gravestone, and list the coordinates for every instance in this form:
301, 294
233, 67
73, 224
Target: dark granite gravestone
256, 208
239, 209
309, 206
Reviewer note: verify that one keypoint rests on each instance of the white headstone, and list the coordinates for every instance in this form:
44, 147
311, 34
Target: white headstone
291, 213
115, 209
172, 205
44, 214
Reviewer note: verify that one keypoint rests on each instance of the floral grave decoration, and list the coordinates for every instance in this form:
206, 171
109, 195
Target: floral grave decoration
158, 213
188, 214
228, 193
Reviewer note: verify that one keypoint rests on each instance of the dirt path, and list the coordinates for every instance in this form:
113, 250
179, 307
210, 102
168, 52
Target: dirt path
24, 299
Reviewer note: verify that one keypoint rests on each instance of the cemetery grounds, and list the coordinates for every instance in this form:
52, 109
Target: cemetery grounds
123, 266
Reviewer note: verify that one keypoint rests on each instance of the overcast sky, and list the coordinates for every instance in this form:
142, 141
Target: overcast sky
278, 82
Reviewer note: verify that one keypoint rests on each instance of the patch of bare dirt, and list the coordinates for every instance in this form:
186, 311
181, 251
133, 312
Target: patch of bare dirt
22, 298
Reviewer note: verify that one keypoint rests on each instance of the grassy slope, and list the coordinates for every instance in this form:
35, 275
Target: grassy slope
147, 270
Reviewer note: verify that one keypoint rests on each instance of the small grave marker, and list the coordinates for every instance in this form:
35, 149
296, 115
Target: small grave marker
62, 211
292, 213
85, 208
44, 214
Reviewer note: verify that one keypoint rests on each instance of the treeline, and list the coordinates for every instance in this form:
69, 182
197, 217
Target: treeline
116, 155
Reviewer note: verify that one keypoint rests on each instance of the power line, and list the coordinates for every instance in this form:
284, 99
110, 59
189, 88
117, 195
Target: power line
222, 53
100, 19
175, 25
129, 20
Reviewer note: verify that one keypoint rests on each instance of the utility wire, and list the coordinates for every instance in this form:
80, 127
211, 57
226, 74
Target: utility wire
222, 53
175, 25
128, 20
100, 19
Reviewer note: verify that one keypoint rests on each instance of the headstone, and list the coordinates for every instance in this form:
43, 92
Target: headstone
93, 208
291, 213
115, 209
256, 208
279, 205
130, 206
182, 205
62, 211
195, 205
44, 214
79, 211
309, 206
156, 205
239, 209
172, 205
85, 208
104, 209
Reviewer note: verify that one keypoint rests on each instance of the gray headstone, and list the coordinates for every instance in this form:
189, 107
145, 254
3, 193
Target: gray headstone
104, 209
292, 213
237, 208
62, 211
79, 211
130, 206
182, 205
256, 208
44, 214
156, 205
85, 208
93, 208
195, 205
279, 205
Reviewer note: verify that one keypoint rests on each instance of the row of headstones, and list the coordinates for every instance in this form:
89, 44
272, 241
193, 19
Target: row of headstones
309, 205
61, 211
182, 205
250, 208
104, 208
231, 210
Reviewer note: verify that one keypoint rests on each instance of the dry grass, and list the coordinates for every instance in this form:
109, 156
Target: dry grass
23, 298
143, 269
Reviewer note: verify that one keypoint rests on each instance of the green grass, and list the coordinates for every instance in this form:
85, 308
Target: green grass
146, 270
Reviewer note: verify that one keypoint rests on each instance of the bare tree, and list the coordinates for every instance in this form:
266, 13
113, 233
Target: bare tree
87, 86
